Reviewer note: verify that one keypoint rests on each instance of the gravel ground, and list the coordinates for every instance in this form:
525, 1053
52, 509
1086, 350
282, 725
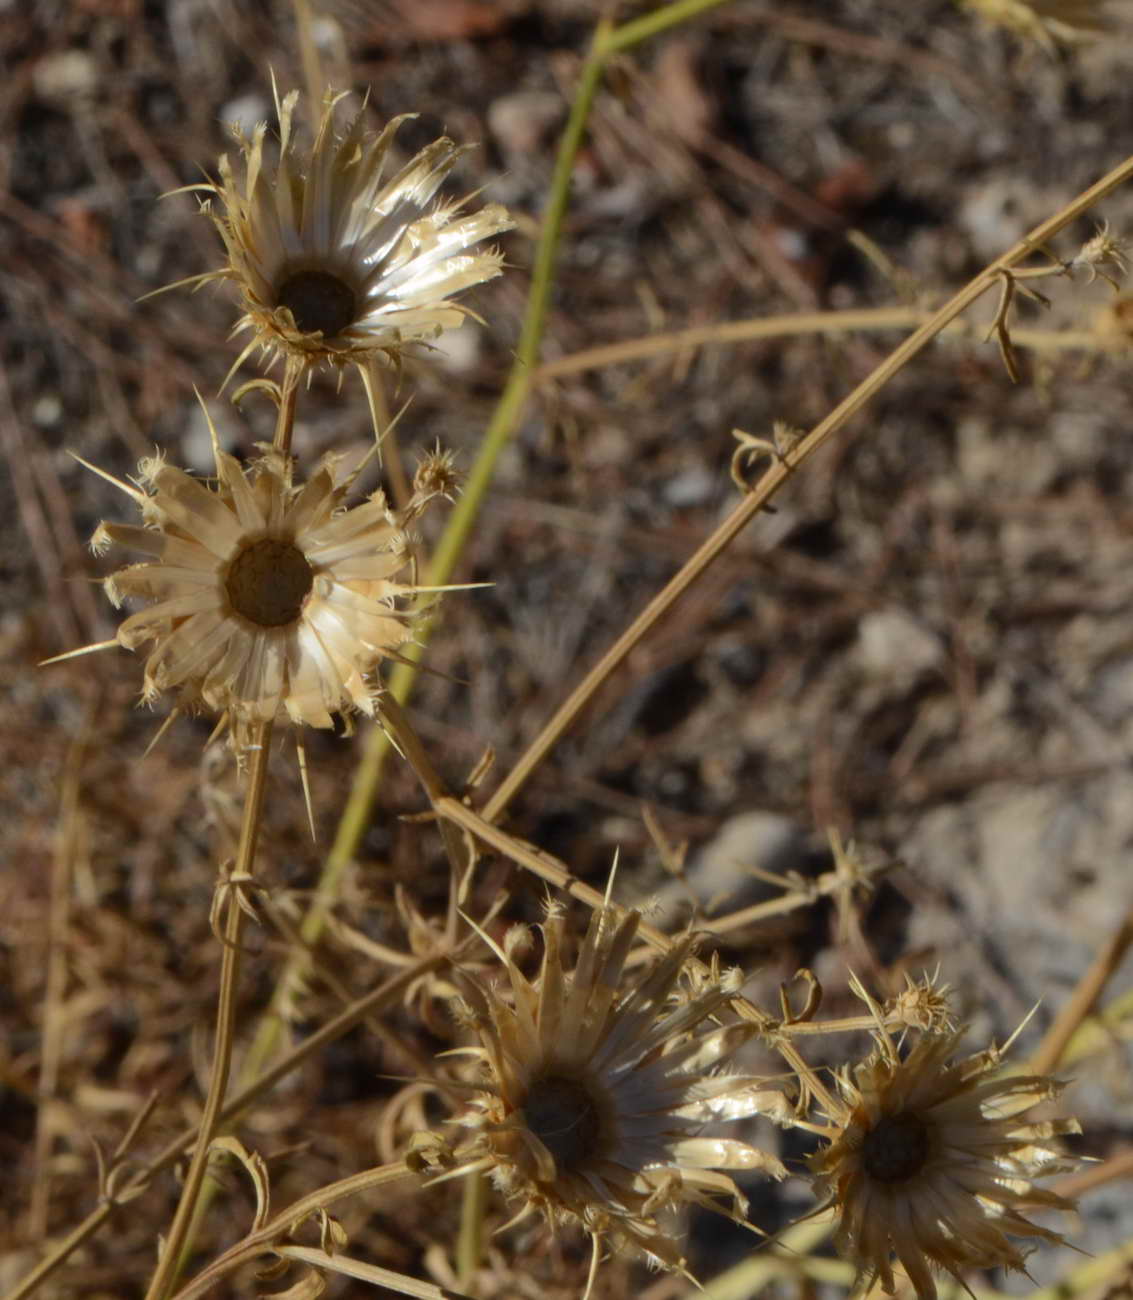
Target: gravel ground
927, 647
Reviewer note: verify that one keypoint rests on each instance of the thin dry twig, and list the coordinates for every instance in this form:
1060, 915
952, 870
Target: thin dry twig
1081, 1003
384, 996
265, 1239
70, 846
778, 473
170, 1260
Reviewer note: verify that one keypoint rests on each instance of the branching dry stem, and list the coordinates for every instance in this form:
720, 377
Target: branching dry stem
282, 1225
776, 476
1084, 999
384, 996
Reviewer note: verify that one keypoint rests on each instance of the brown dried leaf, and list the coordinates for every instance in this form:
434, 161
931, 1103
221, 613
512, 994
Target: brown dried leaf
309, 1287
256, 1170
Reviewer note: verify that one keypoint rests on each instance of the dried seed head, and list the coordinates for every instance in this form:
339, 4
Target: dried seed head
931, 1161
595, 1101
334, 262
267, 582
265, 597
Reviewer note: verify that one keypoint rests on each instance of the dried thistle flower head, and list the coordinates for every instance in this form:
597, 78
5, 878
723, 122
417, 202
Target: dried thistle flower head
1045, 21
594, 1100
265, 597
931, 1160
333, 261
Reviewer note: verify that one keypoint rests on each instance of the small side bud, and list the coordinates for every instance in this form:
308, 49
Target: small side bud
1105, 249
517, 941
437, 475
100, 542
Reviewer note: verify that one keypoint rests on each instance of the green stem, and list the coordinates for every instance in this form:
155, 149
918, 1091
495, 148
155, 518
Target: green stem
647, 26
514, 397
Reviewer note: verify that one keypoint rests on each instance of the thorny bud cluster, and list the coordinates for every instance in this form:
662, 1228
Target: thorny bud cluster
1105, 249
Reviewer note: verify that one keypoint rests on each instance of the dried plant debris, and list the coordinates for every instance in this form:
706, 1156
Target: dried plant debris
923, 643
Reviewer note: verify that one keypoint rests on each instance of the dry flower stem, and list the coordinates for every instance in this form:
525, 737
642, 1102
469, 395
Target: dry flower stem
169, 1262
191, 1205
68, 846
309, 54
263, 1240
285, 415
1112, 1024
470, 1240
1083, 1000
